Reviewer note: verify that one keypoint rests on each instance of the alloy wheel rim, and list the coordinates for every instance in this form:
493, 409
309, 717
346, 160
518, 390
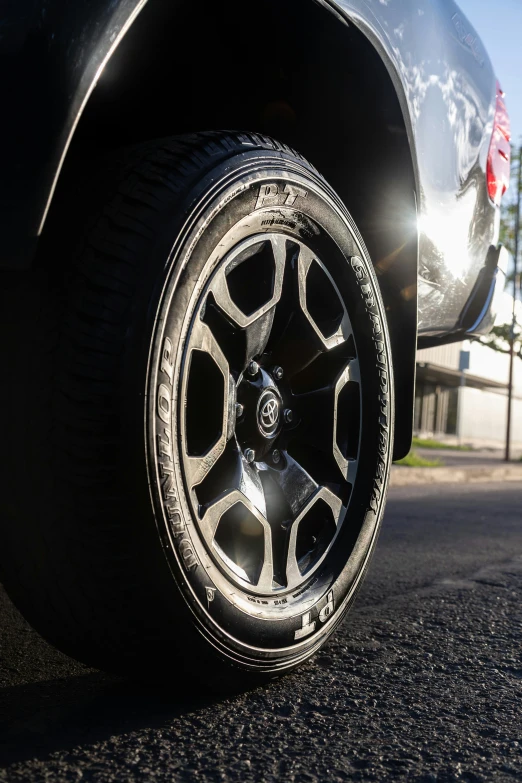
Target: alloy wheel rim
270, 414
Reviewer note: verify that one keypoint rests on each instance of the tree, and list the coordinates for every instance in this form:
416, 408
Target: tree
509, 208
498, 339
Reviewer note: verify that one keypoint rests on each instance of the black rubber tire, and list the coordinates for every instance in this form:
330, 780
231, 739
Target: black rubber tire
87, 554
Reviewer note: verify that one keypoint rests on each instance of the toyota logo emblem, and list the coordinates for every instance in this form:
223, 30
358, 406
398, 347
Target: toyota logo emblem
270, 413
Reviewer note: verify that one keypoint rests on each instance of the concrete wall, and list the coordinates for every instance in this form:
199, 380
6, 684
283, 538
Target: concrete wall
444, 355
483, 416
484, 362
482, 412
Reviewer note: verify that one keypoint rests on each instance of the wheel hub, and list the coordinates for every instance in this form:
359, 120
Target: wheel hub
261, 412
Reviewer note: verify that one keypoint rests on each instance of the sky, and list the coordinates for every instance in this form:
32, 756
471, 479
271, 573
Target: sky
499, 25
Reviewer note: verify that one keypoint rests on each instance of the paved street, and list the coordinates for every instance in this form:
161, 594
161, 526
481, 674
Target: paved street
422, 683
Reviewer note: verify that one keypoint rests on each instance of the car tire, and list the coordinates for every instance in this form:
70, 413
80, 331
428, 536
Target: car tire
201, 427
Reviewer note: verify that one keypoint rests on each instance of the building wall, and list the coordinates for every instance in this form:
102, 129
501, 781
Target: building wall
482, 413
443, 355
484, 362
483, 416
493, 364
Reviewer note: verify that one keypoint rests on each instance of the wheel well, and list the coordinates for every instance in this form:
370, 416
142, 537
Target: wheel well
296, 72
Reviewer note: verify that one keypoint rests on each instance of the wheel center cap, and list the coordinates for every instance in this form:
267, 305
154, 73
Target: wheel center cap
268, 413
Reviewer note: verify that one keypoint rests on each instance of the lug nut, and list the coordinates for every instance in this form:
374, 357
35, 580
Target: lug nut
250, 455
278, 373
253, 368
276, 456
239, 410
288, 415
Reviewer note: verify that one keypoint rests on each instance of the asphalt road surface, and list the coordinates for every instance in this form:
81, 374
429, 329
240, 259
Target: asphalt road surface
422, 683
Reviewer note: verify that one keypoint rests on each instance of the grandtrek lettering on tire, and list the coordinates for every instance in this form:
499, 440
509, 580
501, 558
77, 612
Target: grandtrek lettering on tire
383, 447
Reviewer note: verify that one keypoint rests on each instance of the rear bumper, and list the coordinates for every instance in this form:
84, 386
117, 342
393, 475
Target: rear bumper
480, 311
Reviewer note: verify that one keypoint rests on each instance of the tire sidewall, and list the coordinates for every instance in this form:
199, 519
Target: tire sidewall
258, 632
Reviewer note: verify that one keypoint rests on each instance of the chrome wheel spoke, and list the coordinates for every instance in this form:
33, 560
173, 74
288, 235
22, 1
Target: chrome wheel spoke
329, 319
220, 286
316, 411
266, 259
313, 326
346, 449
203, 449
331, 419
251, 487
215, 511
256, 336
335, 509
246, 522
296, 485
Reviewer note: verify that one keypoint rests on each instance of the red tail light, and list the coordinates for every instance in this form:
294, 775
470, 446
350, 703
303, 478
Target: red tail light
499, 156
